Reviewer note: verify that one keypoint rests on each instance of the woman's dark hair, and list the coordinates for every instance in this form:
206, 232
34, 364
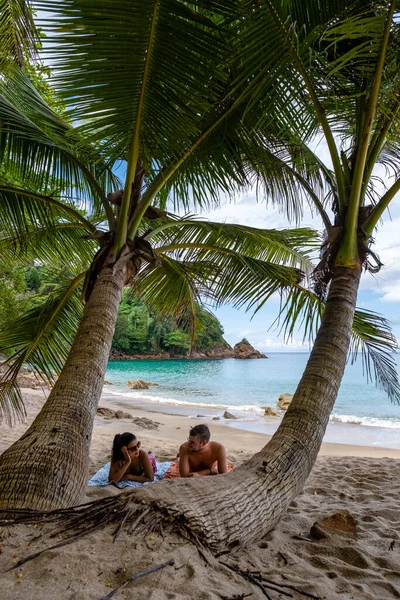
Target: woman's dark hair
121, 440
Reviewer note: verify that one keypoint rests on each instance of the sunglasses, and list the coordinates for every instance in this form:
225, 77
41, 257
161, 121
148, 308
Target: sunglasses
134, 448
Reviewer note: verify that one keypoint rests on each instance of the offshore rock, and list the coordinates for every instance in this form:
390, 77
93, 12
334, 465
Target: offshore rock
228, 415
284, 401
270, 412
139, 384
245, 350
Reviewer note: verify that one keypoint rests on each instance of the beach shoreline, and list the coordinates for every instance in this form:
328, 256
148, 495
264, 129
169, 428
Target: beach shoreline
172, 427
363, 480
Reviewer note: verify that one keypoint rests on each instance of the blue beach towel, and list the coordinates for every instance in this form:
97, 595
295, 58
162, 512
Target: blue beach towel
101, 477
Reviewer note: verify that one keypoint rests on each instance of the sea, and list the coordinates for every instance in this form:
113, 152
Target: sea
362, 415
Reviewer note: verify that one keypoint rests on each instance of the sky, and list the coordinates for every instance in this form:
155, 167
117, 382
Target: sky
379, 292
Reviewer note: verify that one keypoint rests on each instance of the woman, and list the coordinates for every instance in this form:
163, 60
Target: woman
128, 462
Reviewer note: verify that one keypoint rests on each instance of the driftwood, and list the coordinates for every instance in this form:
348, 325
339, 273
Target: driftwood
136, 576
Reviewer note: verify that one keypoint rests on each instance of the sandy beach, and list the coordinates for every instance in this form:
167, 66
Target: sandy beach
364, 480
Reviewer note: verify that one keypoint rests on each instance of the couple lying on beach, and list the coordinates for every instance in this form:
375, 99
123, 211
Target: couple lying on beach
198, 457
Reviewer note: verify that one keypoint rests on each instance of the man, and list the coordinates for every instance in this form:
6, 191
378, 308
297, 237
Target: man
198, 457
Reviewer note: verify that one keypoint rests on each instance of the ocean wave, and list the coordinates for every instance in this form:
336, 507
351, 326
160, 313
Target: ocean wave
366, 421
142, 395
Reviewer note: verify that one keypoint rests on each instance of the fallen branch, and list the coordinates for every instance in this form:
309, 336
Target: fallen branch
291, 587
137, 575
259, 579
250, 578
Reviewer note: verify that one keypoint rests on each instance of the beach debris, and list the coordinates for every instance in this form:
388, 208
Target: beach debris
303, 538
284, 401
228, 415
262, 576
259, 579
137, 575
236, 597
145, 423
269, 412
340, 523
139, 384
107, 382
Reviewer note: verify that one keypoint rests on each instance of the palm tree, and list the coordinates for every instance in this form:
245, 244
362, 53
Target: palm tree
233, 98
169, 124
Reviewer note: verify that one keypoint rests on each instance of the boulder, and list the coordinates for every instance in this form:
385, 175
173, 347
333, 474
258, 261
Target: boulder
139, 384
215, 418
269, 412
145, 423
106, 412
245, 350
120, 414
228, 415
340, 523
284, 401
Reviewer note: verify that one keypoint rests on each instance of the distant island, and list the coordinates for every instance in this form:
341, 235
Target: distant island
142, 333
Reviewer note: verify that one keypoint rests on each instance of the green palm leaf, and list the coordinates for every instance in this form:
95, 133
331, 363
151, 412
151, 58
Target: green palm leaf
110, 57
63, 243
42, 339
43, 152
22, 211
293, 247
17, 32
371, 336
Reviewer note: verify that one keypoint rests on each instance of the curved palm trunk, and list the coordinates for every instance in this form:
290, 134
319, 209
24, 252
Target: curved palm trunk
241, 506
48, 466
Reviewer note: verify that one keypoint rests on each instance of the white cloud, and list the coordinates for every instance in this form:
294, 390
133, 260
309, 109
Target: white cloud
276, 345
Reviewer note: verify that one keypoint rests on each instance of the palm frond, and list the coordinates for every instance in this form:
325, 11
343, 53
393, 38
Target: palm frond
109, 52
41, 338
372, 335
18, 33
23, 211
64, 243
40, 150
293, 247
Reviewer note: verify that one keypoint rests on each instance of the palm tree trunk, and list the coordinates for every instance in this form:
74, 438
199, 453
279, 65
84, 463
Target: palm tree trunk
239, 507
48, 466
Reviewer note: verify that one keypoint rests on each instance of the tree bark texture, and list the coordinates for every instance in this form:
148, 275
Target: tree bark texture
239, 507
48, 466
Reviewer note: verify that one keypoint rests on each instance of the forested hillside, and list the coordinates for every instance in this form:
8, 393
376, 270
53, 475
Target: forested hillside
139, 329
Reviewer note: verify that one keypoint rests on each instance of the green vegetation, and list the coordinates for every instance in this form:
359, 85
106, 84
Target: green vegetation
139, 329
142, 330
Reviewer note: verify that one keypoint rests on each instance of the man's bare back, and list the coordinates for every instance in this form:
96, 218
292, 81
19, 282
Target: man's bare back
199, 457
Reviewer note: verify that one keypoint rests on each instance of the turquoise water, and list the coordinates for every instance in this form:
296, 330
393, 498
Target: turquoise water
244, 386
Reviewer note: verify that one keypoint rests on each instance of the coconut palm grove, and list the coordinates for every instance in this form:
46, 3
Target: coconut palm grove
118, 121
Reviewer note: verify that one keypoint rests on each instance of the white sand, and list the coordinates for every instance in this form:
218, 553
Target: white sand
361, 479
